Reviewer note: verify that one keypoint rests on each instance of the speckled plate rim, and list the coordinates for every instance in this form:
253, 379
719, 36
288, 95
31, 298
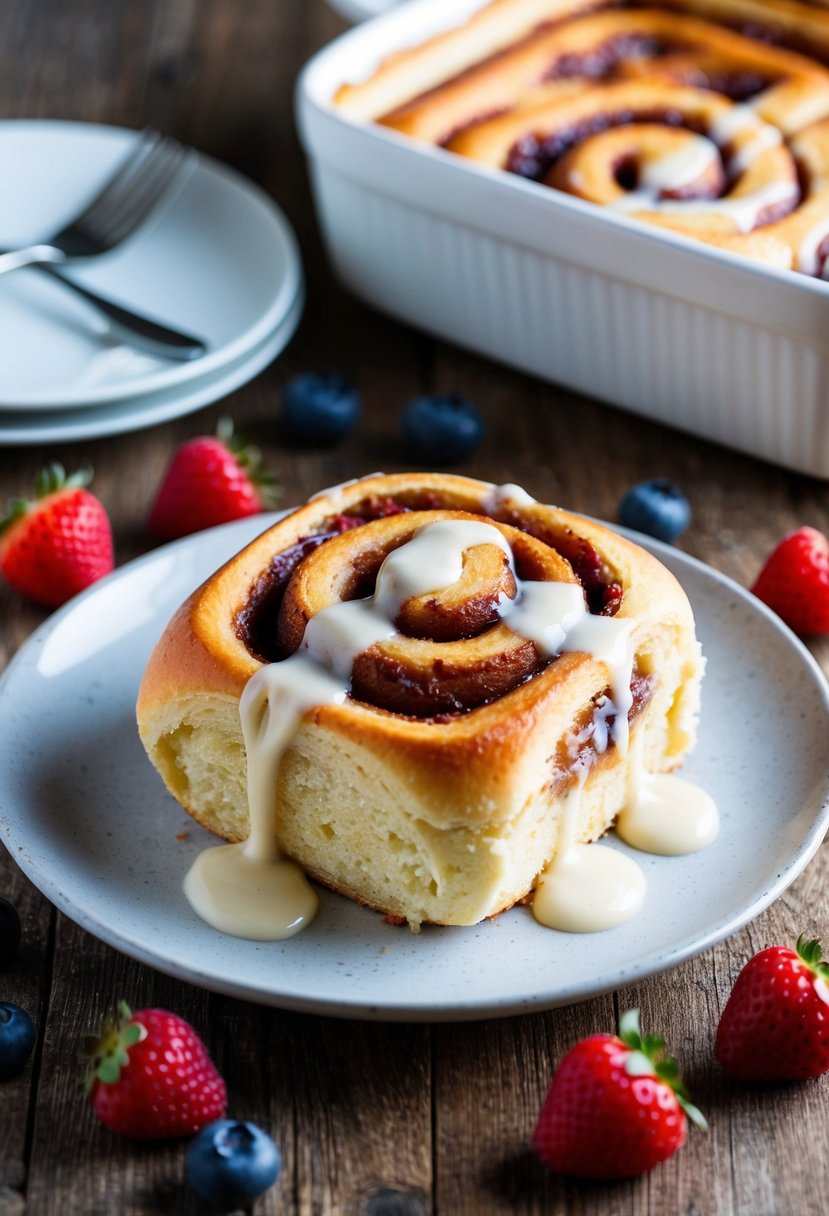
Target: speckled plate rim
624, 971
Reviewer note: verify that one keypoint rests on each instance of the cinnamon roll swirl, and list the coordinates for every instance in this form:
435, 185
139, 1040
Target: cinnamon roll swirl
461, 658
709, 117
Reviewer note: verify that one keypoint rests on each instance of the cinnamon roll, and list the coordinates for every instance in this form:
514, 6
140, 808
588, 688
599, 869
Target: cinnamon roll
457, 659
708, 117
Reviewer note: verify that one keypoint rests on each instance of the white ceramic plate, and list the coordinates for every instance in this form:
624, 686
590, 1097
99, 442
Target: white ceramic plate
361, 10
87, 819
63, 426
217, 258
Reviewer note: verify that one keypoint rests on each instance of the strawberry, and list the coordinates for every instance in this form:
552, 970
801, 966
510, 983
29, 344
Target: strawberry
211, 480
615, 1108
58, 544
795, 581
775, 1025
150, 1076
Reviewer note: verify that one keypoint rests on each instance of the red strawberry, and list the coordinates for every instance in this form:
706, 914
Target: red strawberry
775, 1025
150, 1076
615, 1108
795, 581
52, 548
210, 481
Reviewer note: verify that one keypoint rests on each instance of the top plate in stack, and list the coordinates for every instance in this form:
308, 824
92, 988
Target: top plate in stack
216, 259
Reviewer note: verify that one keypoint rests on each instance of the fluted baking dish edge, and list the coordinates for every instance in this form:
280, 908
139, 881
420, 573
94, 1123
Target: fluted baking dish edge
641, 318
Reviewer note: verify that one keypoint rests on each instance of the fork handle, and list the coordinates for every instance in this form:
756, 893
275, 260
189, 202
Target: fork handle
32, 255
139, 331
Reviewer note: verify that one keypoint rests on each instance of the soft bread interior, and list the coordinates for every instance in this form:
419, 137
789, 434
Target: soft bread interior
424, 846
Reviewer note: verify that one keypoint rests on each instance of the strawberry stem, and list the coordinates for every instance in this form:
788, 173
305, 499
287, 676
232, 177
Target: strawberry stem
53, 478
49, 481
107, 1052
809, 950
249, 458
648, 1058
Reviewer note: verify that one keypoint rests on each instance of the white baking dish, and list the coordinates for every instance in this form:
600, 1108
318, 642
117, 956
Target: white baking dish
642, 318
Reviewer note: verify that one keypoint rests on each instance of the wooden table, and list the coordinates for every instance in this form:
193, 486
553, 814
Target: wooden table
372, 1120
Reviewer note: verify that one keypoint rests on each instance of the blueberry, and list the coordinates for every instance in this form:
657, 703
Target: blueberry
656, 508
17, 1038
9, 932
229, 1163
319, 408
442, 429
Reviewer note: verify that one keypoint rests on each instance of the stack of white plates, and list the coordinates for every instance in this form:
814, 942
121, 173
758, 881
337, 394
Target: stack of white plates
217, 259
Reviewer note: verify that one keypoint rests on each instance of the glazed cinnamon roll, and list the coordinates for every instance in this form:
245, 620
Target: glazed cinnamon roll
704, 116
462, 658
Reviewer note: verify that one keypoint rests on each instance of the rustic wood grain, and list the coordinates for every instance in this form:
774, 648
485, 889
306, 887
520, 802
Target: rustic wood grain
26, 983
371, 1120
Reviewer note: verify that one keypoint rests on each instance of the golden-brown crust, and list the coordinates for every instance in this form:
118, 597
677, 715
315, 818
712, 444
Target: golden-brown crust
461, 55
401, 75
201, 652
699, 49
473, 797
487, 94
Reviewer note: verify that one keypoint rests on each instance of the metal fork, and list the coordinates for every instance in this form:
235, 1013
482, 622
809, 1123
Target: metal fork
119, 208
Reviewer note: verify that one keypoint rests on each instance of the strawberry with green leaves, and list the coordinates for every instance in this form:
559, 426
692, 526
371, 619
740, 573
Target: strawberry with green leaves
795, 581
616, 1106
56, 545
150, 1076
775, 1025
211, 480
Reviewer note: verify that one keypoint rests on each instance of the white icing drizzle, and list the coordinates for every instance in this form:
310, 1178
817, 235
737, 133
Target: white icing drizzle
546, 613
669, 816
506, 495
767, 137
664, 814
336, 635
258, 900
744, 211
588, 887
431, 560
680, 168
599, 728
807, 254
674, 171
735, 121
250, 890
610, 640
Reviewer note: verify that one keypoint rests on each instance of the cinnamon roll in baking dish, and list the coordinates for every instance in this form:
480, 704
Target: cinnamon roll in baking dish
710, 117
457, 660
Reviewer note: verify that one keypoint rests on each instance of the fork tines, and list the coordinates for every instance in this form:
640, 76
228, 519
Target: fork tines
127, 197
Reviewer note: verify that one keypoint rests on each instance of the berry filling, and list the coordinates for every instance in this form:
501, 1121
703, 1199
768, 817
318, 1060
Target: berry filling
443, 697
601, 60
533, 156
